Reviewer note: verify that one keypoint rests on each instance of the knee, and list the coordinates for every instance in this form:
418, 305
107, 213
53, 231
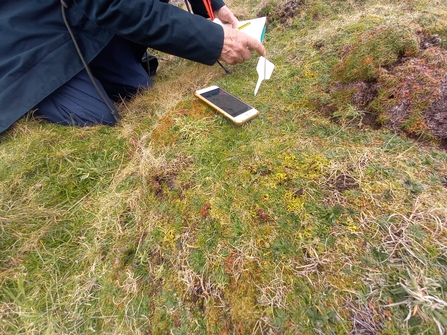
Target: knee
76, 114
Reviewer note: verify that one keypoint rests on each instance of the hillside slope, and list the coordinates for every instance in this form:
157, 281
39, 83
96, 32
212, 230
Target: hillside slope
324, 215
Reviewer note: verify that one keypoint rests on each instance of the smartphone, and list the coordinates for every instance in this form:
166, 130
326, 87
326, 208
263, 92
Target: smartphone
227, 104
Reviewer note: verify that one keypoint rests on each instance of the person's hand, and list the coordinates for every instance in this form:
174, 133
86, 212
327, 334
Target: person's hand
225, 15
238, 46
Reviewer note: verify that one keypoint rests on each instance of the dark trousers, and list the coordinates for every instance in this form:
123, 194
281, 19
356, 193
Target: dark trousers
118, 73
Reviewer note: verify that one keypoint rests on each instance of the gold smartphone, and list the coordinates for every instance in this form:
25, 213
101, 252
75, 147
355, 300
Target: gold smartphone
231, 107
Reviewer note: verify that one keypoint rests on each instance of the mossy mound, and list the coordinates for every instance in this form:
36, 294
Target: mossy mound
380, 47
399, 75
413, 95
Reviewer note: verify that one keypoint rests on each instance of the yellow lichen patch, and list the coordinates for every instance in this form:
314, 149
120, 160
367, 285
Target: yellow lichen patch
293, 202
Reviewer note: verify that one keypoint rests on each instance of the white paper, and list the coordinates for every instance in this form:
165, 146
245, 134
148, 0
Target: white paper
255, 28
265, 70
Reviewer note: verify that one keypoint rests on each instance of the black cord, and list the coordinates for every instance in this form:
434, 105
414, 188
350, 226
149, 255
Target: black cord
87, 68
187, 6
225, 69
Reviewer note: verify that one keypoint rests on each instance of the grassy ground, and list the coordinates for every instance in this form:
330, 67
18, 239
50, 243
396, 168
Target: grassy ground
178, 222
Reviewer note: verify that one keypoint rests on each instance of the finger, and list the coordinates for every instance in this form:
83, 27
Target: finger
256, 45
234, 22
231, 19
227, 16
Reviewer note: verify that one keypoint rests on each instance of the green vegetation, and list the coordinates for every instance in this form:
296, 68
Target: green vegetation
178, 222
378, 48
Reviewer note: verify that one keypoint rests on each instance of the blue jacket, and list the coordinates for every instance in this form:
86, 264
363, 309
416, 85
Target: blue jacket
37, 55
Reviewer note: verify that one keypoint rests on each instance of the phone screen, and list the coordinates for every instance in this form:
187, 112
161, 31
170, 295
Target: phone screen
227, 102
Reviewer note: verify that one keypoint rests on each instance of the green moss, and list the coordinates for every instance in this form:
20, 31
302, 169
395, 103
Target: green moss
364, 24
241, 296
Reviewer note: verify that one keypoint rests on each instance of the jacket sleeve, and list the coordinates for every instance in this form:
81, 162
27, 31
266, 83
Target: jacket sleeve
158, 25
